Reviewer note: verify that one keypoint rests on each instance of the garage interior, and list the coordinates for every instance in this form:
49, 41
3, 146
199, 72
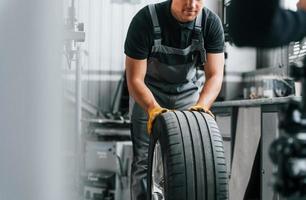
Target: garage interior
65, 116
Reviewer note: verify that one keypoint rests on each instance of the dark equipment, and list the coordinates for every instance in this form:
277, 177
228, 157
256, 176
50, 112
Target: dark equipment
248, 28
99, 186
288, 152
107, 159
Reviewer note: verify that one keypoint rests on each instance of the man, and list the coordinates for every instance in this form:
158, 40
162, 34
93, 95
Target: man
262, 23
164, 45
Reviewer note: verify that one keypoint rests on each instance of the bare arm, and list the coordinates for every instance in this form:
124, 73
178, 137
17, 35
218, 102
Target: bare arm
301, 4
214, 75
135, 73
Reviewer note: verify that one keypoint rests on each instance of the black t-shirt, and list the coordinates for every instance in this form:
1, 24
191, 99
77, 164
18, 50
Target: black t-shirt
140, 36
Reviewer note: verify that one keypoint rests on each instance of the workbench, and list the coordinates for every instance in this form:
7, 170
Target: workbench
248, 128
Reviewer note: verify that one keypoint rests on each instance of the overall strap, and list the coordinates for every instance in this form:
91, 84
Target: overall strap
156, 27
197, 30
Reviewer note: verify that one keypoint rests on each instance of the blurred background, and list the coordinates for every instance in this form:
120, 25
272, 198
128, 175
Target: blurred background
64, 120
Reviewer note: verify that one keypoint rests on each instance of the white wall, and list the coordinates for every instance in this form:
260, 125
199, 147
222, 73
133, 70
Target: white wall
106, 24
240, 59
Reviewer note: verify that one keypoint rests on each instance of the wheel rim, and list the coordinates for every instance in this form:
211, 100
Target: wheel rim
157, 184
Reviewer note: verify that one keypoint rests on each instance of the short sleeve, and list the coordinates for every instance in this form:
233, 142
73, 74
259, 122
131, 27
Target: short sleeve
138, 40
214, 37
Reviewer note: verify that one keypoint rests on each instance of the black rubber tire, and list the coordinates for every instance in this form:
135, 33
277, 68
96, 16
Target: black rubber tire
193, 156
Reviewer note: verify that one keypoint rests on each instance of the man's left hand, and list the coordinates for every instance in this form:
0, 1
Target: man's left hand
201, 108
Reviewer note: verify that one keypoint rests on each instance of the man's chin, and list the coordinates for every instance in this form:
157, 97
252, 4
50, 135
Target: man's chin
188, 18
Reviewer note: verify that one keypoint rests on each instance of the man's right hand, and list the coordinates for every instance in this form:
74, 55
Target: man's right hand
301, 5
153, 113
135, 74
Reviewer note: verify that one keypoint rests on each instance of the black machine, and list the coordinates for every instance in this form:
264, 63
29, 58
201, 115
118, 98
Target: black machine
288, 152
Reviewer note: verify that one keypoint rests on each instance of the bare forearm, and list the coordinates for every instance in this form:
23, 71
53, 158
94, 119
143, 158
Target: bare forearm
214, 69
135, 74
142, 95
210, 91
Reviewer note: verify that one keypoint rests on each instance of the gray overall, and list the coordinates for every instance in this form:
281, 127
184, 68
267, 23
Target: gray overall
174, 86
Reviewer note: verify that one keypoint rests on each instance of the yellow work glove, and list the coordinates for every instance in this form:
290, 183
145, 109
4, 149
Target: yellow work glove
153, 113
201, 108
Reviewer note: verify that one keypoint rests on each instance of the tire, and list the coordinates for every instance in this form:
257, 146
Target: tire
191, 163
